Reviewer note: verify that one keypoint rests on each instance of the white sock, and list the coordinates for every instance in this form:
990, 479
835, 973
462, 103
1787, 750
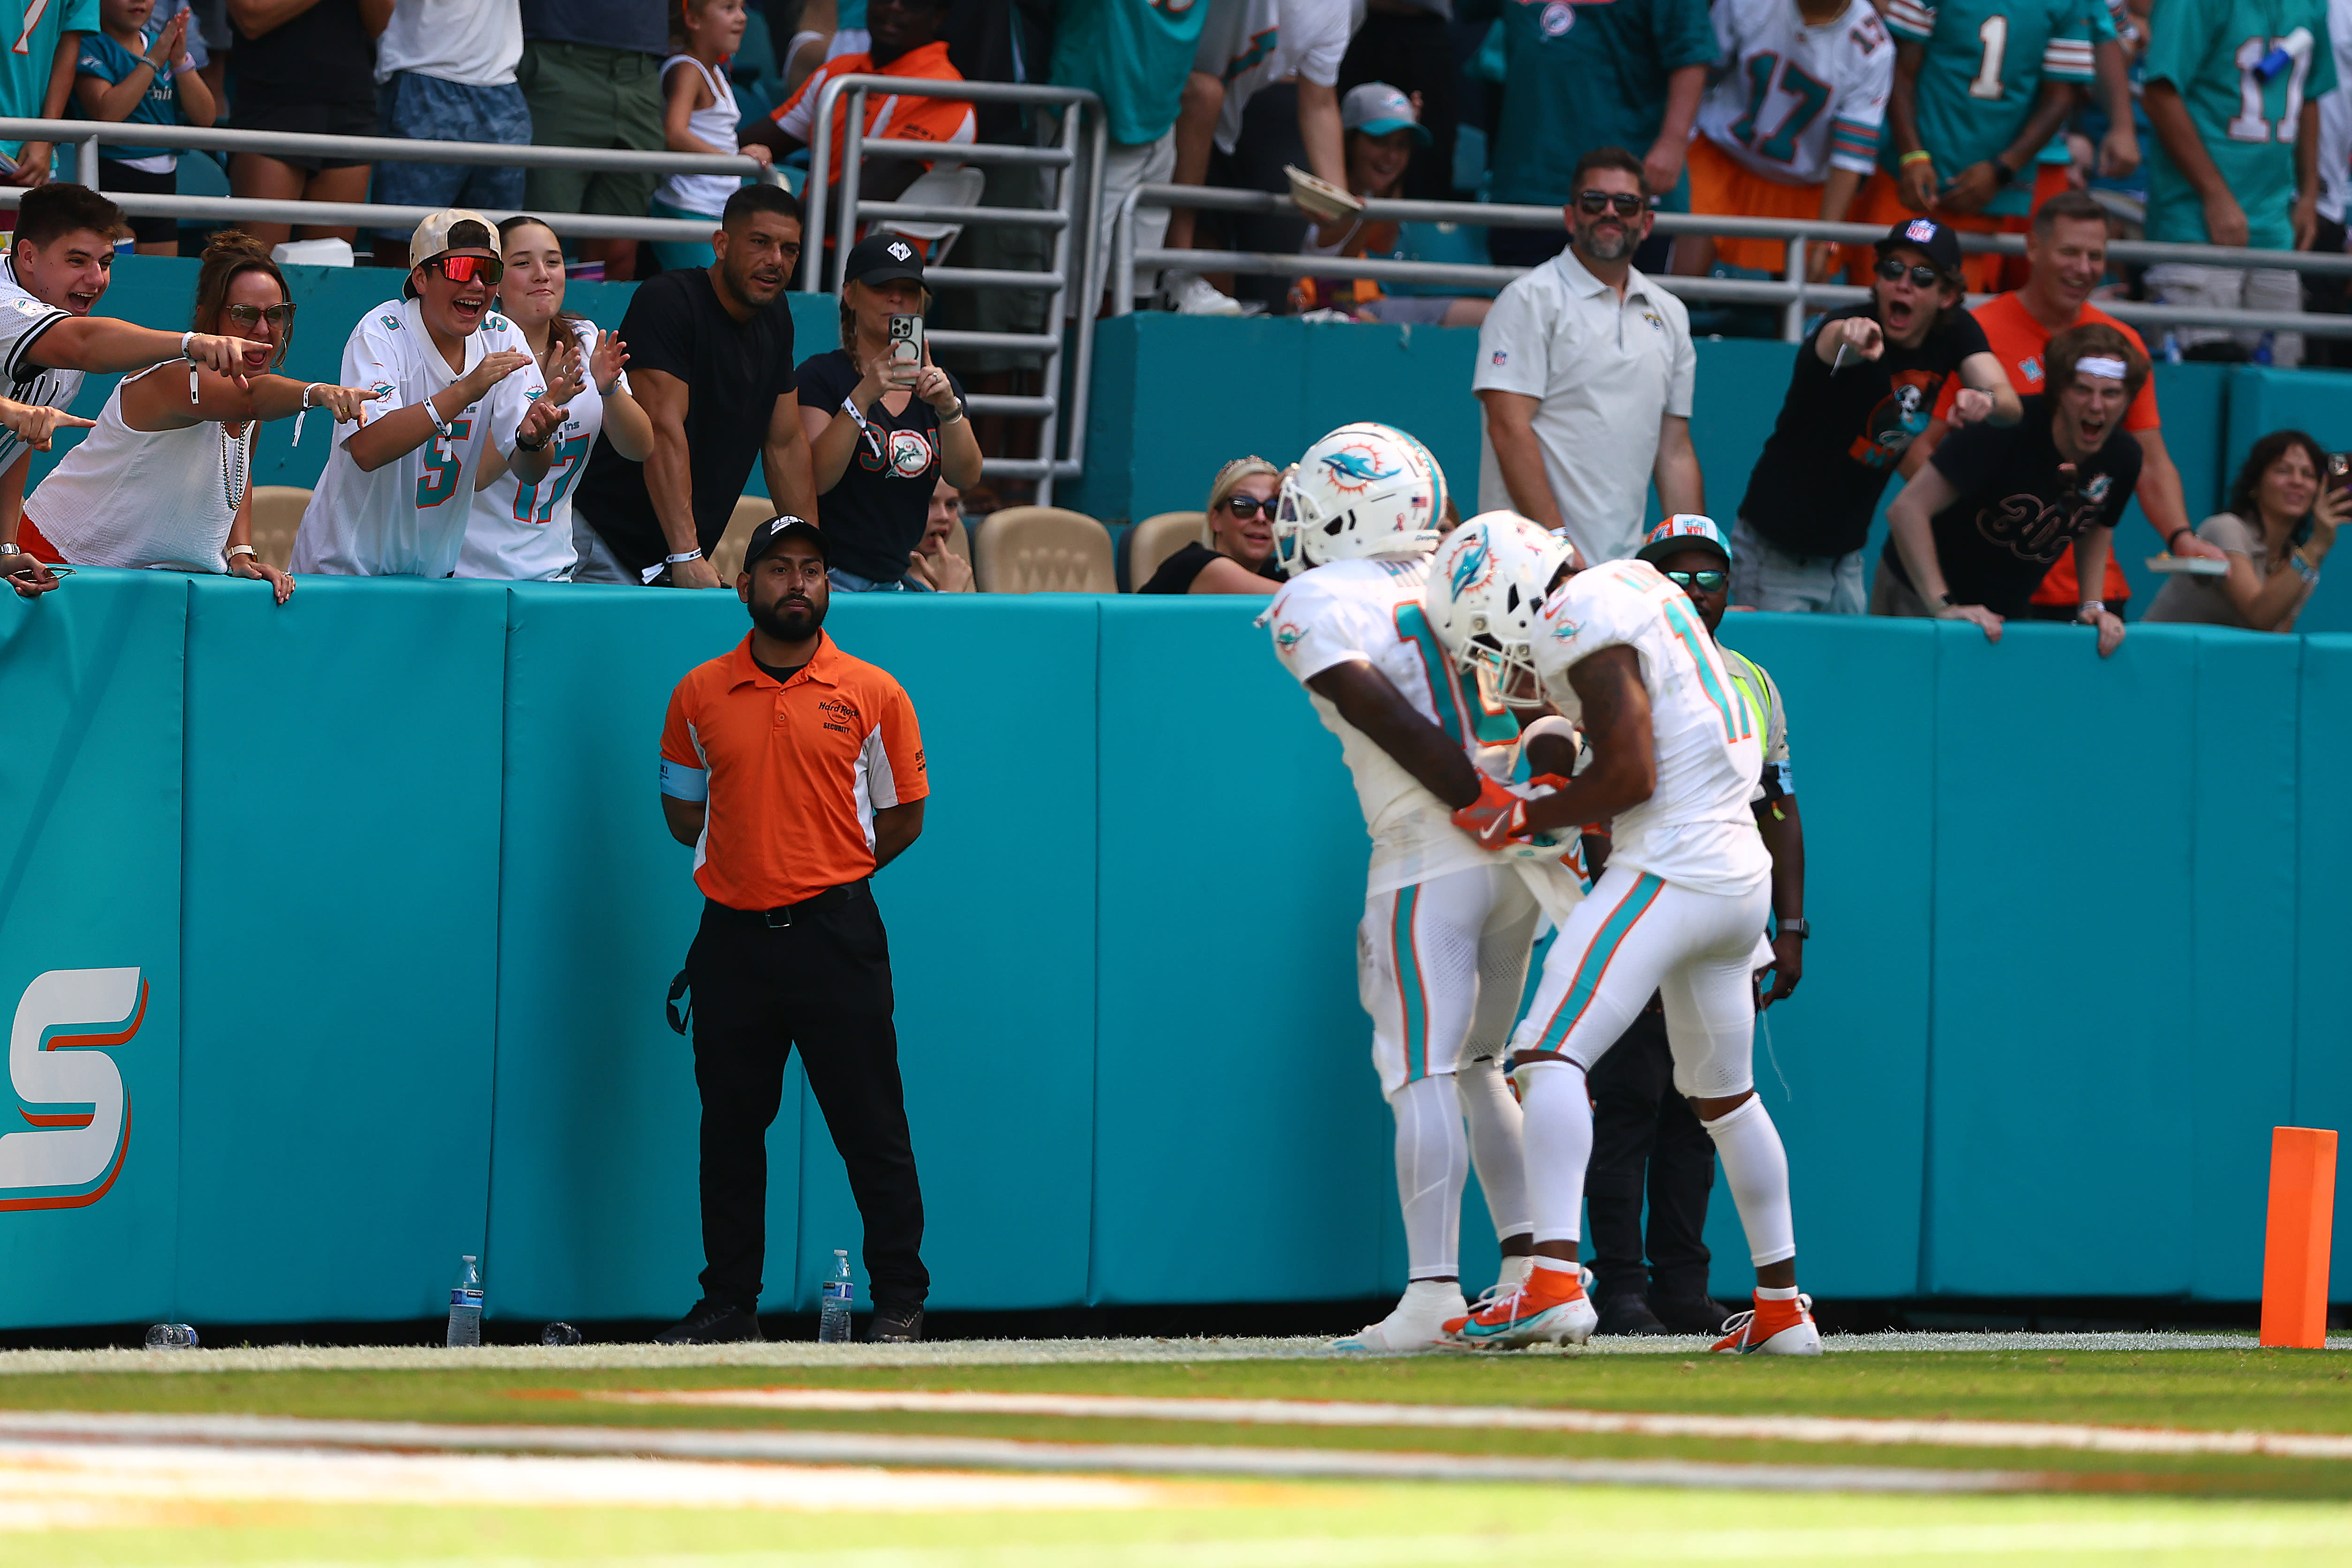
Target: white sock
1497, 1151
1559, 1147
1433, 1162
1757, 1168
1775, 1293
1515, 1271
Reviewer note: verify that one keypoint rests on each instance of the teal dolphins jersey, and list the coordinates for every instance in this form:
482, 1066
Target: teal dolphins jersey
30, 49
1980, 75
2214, 53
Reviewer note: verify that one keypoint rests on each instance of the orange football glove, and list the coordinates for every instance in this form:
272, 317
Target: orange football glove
1497, 817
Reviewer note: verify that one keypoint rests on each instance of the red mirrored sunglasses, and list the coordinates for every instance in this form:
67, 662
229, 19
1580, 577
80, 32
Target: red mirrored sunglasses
464, 268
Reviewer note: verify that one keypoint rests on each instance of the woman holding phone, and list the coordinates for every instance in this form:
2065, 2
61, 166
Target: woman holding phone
2281, 523
884, 423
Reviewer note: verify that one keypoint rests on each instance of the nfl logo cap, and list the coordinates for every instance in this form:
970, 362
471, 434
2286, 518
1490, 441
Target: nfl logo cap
432, 236
884, 259
1376, 109
1683, 530
1933, 239
774, 532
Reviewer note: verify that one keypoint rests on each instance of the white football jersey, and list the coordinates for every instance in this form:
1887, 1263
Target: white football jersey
523, 533
1790, 101
22, 319
408, 518
1696, 829
1370, 610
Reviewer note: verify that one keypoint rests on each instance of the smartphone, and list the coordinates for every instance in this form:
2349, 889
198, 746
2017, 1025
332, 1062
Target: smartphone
906, 349
2339, 471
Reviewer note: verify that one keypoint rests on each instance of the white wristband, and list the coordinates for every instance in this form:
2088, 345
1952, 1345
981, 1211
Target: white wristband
689, 555
185, 339
304, 411
237, 550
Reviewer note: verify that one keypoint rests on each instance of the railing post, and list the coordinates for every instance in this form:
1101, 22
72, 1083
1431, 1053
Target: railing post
853, 164
1792, 315
85, 162
812, 190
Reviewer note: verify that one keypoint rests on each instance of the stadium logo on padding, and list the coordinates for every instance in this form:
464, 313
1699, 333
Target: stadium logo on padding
69, 1090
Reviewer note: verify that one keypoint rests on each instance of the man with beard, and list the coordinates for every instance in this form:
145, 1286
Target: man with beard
795, 772
710, 360
1586, 370
1864, 383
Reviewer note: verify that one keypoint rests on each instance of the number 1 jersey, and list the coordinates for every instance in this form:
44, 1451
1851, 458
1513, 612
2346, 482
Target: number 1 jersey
1983, 69
1790, 101
408, 518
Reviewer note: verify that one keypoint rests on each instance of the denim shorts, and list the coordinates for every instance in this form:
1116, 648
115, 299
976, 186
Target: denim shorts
426, 109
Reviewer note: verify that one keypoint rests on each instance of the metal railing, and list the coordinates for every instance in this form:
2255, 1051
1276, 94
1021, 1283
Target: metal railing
88, 135
1797, 297
1082, 121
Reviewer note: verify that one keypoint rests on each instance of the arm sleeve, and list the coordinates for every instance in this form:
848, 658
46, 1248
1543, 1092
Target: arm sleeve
902, 775
798, 112
685, 772
2323, 78
92, 63
1685, 35
1312, 632
371, 358
1586, 616
2067, 55
1682, 386
82, 17
2179, 42
1859, 113
1969, 455
1315, 35
22, 320
656, 328
2229, 532
1912, 21
1513, 346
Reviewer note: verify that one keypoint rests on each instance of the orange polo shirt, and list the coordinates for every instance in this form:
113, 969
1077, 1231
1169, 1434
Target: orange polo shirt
792, 774
899, 116
2018, 342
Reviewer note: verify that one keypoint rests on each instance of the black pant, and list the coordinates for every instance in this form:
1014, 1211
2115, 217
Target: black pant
1413, 54
822, 982
1641, 1127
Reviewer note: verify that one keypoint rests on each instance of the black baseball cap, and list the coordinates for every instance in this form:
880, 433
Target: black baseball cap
882, 257
1933, 239
775, 531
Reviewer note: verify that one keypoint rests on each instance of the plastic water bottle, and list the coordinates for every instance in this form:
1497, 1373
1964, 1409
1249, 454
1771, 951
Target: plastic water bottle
833, 1313
465, 1303
172, 1336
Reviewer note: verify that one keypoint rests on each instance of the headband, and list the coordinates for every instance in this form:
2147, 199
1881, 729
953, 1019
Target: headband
2102, 365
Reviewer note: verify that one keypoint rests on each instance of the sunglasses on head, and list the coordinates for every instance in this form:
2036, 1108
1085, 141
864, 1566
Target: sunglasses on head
1592, 204
247, 315
1249, 506
1921, 276
1705, 581
466, 268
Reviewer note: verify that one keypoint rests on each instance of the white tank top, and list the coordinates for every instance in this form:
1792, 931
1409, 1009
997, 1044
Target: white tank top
717, 125
145, 497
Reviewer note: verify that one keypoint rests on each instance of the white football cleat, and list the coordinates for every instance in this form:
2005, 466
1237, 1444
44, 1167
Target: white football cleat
1418, 1323
1190, 294
1772, 1328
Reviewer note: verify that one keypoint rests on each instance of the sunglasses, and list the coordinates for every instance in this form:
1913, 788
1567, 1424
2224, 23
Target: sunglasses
1592, 204
247, 315
1705, 581
466, 268
1249, 506
1921, 276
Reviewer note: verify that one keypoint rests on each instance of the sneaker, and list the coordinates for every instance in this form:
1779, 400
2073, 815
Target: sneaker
1418, 1323
1190, 294
1690, 1314
895, 1324
712, 1323
1772, 1328
1548, 1308
1629, 1312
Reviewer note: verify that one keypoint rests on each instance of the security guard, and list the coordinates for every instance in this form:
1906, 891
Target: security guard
796, 772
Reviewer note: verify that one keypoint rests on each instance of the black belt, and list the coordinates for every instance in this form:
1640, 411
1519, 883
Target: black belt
782, 915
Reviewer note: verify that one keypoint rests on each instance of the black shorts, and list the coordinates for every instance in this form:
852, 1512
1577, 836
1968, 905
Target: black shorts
113, 174
261, 106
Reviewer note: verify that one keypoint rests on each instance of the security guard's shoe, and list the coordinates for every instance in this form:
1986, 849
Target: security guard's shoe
1628, 1313
712, 1323
897, 1323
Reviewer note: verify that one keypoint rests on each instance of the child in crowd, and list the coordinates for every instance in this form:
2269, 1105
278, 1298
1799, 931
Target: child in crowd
1384, 127
698, 115
130, 72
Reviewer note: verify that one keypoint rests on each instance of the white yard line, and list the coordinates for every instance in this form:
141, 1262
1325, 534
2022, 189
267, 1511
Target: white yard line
42, 1431
984, 1353
1947, 1434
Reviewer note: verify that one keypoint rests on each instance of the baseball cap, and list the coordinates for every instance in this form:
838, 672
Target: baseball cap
1939, 244
1376, 109
774, 532
432, 236
882, 257
1683, 530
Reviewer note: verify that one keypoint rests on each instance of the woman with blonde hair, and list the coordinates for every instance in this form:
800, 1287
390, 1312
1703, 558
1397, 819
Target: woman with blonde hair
1236, 551
162, 480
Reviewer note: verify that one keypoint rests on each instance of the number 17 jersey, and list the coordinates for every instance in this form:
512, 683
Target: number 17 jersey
1790, 101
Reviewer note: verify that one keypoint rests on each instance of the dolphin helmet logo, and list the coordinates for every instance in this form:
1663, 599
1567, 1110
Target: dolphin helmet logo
1471, 568
1355, 467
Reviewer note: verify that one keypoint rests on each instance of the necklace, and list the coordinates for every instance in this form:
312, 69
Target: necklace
237, 461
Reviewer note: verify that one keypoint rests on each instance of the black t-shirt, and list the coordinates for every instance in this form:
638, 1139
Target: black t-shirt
1176, 573
2016, 515
1816, 487
322, 55
733, 370
875, 514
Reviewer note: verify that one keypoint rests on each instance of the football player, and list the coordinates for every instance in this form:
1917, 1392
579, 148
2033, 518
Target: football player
1680, 910
1442, 949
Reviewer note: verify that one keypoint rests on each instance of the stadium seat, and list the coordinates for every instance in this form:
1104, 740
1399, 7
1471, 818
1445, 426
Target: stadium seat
277, 516
1043, 550
1154, 540
960, 540
750, 511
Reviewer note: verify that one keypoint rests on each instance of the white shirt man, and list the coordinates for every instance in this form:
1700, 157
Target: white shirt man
1586, 370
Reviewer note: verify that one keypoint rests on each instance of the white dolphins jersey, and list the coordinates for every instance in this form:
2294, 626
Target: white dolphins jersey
1370, 610
1791, 101
1696, 830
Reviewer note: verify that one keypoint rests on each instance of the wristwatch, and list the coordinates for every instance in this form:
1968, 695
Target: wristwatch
1796, 926
524, 443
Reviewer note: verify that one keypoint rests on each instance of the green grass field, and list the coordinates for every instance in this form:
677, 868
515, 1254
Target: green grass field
2076, 1506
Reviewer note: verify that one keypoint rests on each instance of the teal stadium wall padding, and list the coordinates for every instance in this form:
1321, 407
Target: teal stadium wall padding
2078, 951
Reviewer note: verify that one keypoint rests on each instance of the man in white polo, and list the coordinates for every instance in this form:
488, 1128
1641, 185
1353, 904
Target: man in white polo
1585, 368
